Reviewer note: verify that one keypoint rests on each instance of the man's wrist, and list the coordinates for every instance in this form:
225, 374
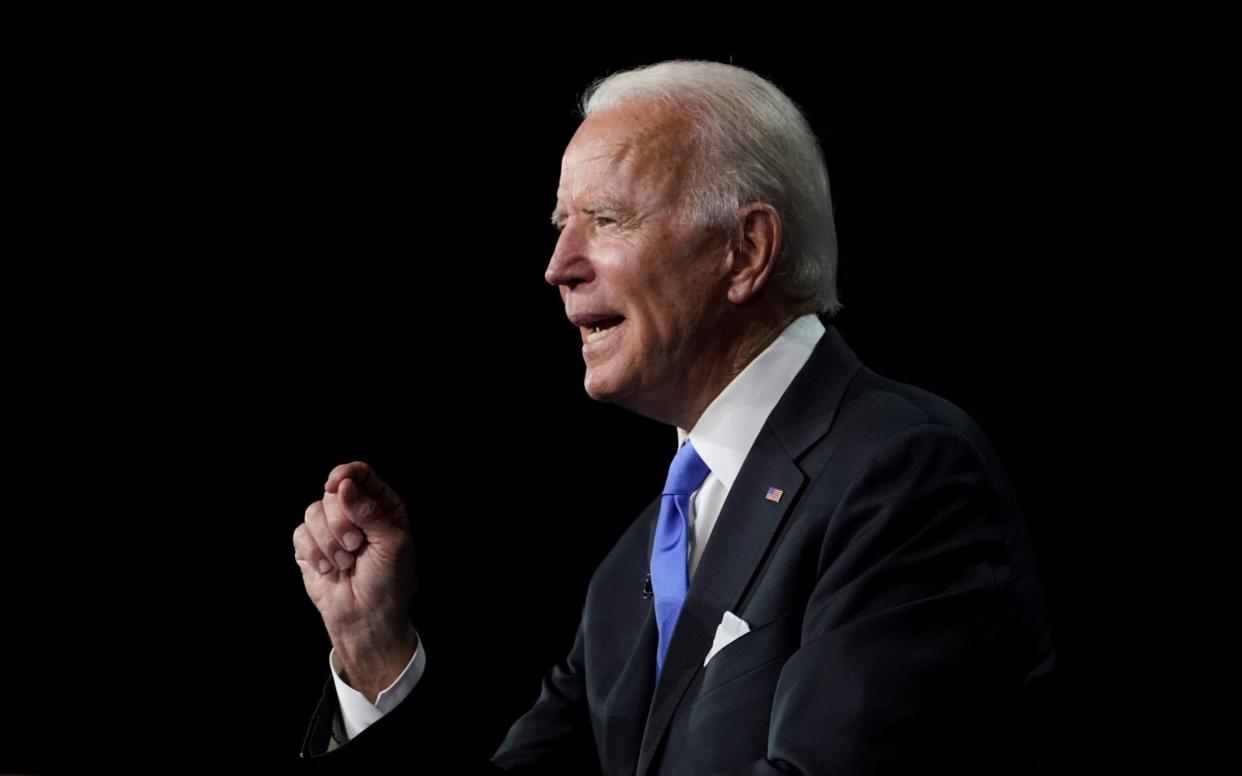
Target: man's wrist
372, 660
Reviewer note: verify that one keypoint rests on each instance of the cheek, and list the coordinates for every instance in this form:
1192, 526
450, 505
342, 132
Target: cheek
680, 308
657, 319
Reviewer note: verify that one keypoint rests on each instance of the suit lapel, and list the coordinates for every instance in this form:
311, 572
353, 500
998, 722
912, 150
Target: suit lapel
627, 704
747, 524
625, 709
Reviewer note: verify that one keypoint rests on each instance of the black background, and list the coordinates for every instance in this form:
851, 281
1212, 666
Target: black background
255, 256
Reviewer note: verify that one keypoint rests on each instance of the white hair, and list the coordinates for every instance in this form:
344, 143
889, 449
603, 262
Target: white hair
753, 145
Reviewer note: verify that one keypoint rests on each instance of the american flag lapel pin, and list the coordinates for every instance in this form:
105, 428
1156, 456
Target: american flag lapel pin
774, 495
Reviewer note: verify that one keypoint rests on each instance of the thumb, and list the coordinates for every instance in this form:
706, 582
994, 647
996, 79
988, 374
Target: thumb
367, 512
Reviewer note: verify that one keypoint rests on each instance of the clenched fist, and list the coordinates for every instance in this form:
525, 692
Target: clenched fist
357, 560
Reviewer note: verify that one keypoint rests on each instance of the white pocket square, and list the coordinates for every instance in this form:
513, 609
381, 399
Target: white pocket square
730, 629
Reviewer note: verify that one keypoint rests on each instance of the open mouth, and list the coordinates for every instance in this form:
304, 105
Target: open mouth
602, 328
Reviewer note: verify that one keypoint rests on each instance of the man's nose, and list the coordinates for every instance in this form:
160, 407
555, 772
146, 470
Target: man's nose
569, 264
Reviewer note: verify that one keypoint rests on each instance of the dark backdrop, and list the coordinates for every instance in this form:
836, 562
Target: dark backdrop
269, 255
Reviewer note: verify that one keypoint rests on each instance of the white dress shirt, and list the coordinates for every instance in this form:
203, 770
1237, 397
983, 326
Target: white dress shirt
722, 436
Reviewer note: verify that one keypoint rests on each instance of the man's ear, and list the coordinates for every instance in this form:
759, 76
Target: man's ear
755, 247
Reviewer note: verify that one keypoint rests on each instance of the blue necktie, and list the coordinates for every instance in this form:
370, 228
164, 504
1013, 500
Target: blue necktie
669, 577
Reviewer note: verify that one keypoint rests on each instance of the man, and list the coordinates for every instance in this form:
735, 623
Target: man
838, 577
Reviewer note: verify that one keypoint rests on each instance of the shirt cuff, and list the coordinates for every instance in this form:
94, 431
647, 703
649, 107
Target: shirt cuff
358, 713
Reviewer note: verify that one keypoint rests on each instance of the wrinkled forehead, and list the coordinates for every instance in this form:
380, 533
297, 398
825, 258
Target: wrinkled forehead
629, 148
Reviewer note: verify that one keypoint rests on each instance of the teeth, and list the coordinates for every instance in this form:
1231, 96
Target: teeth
598, 334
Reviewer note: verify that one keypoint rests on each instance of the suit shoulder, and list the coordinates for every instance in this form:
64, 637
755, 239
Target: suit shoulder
876, 408
880, 417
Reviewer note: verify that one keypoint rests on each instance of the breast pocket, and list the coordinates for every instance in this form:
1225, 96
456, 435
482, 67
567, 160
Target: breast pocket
764, 644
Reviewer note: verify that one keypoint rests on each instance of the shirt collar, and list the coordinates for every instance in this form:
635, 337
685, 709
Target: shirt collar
728, 427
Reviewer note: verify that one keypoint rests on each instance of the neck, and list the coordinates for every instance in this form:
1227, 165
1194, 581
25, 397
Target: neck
700, 387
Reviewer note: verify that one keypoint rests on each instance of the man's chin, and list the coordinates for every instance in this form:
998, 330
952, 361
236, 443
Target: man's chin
601, 389
597, 391
612, 394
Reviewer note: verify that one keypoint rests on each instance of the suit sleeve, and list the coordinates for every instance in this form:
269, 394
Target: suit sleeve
910, 658
431, 728
555, 736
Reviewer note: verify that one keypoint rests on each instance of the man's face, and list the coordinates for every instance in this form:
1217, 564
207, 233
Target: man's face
627, 263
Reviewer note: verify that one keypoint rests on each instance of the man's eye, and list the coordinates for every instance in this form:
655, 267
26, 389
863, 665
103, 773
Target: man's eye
604, 221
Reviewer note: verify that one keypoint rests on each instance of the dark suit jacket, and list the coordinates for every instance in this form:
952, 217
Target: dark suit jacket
896, 614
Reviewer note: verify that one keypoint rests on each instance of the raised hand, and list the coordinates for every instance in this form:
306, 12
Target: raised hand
357, 559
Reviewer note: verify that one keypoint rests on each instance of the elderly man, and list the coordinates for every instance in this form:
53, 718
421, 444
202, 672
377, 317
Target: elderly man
836, 577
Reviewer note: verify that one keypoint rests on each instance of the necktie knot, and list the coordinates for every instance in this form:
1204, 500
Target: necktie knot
686, 473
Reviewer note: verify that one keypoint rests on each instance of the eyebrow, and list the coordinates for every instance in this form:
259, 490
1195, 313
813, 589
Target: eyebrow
559, 214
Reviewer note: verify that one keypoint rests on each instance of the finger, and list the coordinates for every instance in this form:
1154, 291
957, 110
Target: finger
358, 507
367, 481
305, 550
342, 526
317, 522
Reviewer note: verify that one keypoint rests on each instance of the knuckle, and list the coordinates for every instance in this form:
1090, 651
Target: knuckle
304, 543
339, 524
323, 535
353, 468
315, 515
371, 509
363, 473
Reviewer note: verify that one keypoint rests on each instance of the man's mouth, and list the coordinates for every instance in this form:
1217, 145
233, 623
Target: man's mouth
601, 329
